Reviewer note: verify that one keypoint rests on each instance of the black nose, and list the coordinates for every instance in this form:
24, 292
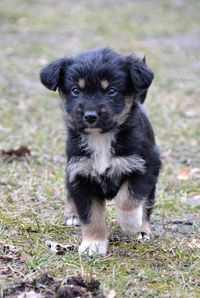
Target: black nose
90, 117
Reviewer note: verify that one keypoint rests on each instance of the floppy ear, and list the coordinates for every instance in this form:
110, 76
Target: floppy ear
141, 76
50, 74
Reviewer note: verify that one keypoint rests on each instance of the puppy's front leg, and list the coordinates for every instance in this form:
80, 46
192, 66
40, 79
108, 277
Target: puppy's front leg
91, 212
94, 232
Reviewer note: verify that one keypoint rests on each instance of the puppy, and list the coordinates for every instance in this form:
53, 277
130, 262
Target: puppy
111, 150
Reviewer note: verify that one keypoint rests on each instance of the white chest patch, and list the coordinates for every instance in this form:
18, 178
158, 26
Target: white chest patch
100, 145
101, 160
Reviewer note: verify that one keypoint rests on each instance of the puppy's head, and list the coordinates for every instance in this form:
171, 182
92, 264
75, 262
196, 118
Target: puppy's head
98, 87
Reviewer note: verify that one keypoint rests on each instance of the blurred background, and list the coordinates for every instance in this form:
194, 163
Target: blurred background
32, 33
35, 32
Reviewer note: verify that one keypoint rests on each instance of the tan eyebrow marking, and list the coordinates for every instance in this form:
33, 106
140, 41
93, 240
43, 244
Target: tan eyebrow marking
81, 83
104, 84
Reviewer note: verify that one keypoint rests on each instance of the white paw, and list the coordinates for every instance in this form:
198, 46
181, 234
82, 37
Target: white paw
130, 221
91, 247
143, 237
71, 221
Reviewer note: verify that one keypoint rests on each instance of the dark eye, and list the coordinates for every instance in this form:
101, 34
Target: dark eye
111, 92
75, 91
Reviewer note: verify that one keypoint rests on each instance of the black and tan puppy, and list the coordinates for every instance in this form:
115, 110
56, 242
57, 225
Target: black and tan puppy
111, 150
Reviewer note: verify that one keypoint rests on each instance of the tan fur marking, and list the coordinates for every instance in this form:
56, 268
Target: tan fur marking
128, 211
96, 229
124, 201
70, 208
81, 83
104, 84
121, 118
145, 227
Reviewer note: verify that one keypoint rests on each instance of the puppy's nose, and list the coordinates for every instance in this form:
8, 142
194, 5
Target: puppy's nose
90, 117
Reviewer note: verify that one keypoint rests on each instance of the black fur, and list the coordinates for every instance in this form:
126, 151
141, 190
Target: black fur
133, 135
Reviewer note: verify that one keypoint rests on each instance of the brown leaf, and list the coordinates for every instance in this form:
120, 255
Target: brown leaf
22, 151
184, 173
32, 230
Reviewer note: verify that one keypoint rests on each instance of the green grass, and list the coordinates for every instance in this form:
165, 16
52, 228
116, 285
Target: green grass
32, 190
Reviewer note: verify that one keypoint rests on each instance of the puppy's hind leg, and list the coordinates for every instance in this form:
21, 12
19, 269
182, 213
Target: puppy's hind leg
145, 230
129, 212
70, 217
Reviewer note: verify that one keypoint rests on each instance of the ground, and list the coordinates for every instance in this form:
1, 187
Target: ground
31, 187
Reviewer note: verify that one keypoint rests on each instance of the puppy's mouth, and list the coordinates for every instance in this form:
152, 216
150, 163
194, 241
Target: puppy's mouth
91, 127
91, 130
90, 122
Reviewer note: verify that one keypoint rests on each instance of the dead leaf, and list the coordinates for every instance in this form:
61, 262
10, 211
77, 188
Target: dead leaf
59, 248
32, 230
10, 252
194, 243
184, 173
9, 155
8, 248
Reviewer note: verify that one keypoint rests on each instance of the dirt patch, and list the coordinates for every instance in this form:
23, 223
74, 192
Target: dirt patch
47, 286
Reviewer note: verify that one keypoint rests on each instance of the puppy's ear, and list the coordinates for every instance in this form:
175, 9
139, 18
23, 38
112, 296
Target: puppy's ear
141, 76
50, 74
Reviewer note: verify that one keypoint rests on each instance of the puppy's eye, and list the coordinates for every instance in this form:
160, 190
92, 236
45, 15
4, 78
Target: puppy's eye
75, 91
111, 91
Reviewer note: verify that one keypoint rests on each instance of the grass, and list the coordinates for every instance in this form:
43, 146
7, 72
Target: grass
32, 190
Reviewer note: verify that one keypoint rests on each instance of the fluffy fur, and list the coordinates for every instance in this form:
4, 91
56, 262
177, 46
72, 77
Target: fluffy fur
111, 150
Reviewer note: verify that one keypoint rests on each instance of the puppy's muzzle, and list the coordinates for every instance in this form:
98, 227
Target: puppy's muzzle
90, 117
